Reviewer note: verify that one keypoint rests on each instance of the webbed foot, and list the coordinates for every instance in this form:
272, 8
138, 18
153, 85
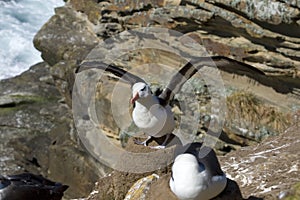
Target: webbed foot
144, 143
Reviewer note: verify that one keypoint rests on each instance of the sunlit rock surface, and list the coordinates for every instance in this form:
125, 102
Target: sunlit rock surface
264, 34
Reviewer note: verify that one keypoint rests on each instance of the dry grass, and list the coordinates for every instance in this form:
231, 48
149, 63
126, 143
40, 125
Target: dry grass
246, 109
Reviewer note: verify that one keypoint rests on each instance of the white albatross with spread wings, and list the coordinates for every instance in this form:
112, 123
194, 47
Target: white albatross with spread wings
152, 114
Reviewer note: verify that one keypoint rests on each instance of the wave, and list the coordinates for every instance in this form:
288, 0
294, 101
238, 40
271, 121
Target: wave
19, 22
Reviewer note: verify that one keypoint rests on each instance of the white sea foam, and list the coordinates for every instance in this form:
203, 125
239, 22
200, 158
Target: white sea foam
19, 22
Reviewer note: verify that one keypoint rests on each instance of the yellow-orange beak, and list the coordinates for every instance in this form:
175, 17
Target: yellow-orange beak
134, 98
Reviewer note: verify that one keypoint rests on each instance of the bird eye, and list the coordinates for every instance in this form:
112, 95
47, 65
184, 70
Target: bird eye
144, 88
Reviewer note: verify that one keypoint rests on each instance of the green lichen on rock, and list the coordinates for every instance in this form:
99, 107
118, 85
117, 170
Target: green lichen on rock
294, 193
16, 99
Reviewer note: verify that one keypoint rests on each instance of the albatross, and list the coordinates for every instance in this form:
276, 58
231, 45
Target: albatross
152, 114
196, 173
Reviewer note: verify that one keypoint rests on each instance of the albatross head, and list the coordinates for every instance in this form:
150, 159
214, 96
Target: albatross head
140, 90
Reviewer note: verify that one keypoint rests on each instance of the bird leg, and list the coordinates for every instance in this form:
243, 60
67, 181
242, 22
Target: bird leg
163, 145
145, 142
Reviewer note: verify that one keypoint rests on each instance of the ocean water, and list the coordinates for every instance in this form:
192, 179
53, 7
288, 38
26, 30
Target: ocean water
19, 22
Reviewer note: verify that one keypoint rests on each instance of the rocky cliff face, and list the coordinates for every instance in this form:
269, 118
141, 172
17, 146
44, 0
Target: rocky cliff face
38, 134
263, 34
251, 32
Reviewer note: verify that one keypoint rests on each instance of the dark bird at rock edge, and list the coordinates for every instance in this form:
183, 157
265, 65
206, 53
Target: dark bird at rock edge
27, 186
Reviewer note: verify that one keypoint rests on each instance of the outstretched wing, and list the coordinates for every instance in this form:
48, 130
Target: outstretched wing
176, 82
189, 69
116, 70
234, 66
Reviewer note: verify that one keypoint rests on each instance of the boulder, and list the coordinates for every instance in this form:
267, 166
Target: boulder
37, 133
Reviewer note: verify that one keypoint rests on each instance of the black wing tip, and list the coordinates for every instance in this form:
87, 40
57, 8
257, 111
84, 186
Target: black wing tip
220, 58
247, 66
112, 68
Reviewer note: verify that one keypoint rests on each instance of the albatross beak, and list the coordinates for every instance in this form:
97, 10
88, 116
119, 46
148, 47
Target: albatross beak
134, 98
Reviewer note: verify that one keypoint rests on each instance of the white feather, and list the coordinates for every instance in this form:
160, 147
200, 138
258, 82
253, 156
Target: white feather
152, 118
190, 180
